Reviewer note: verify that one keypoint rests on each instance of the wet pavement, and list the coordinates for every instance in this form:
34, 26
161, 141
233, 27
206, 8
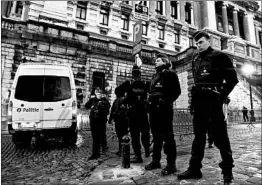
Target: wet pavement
56, 163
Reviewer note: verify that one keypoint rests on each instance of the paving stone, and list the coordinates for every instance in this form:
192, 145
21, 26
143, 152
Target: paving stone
255, 180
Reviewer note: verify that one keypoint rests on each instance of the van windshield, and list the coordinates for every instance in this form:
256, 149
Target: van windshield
43, 88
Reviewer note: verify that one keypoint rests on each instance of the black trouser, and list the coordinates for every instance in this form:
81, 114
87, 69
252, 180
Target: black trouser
97, 133
245, 117
139, 127
121, 127
209, 134
207, 107
104, 137
161, 122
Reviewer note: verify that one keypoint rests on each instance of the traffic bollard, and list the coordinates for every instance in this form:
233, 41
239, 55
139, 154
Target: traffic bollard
126, 152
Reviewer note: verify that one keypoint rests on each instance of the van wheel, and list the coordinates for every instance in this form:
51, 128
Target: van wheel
21, 139
74, 137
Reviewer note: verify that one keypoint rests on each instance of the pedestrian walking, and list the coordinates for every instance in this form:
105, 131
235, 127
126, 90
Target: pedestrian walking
118, 115
99, 109
214, 78
136, 91
164, 90
245, 116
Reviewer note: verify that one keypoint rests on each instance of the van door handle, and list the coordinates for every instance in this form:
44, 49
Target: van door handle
48, 109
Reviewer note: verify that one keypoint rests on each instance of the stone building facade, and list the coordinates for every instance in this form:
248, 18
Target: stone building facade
96, 38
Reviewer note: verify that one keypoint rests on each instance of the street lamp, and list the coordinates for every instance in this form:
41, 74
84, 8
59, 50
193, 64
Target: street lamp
248, 70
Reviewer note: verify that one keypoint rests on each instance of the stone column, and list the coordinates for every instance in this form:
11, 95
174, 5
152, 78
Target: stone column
13, 8
192, 14
224, 17
178, 10
152, 8
25, 11
246, 29
204, 14
235, 22
168, 7
182, 11
4, 7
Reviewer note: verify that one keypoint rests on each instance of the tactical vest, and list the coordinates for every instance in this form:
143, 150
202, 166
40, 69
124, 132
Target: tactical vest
99, 109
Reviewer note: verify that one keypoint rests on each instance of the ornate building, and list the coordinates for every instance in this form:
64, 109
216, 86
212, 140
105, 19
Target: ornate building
96, 37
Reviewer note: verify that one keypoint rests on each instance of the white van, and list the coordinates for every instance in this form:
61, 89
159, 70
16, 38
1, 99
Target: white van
43, 103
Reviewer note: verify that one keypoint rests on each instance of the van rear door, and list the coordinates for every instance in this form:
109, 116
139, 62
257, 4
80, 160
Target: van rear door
28, 98
57, 106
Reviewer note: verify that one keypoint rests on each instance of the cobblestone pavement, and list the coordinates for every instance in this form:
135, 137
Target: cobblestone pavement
59, 164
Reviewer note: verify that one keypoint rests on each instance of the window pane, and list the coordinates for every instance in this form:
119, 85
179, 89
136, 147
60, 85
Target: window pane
57, 88
78, 11
83, 14
29, 88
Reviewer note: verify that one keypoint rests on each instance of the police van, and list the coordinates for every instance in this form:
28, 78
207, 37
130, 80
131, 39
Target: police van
43, 103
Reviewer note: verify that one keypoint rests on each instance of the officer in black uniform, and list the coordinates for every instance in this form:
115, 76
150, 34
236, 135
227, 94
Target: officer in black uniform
136, 91
118, 114
214, 78
164, 90
98, 118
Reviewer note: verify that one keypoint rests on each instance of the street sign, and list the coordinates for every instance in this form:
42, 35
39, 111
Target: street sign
137, 30
141, 12
137, 48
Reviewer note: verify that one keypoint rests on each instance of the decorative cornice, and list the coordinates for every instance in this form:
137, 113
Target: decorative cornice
249, 5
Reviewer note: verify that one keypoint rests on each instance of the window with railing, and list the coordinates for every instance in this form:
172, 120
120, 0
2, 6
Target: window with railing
260, 37
188, 13
125, 22
159, 7
19, 8
81, 10
218, 11
80, 27
174, 9
176, 39
161, 32
144, 28
104, 16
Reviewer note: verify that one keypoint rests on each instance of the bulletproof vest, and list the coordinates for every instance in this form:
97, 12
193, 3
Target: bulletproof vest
137, 91
121, 108
99, 109
204, 71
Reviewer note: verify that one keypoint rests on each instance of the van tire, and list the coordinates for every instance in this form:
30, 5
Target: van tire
21, 139
74, 137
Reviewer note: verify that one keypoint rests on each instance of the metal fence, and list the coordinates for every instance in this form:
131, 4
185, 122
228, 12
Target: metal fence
182, 121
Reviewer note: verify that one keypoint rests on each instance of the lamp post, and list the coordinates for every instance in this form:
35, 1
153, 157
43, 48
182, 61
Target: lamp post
248, 69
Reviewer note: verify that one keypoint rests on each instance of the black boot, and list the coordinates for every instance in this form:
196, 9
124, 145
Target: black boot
93, 156
227, 176
153, 165
190, 174
136, 159
169, 169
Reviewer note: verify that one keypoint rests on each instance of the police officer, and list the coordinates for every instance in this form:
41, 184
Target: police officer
98, 118
118, 114
164, 90
214, 78
136, 91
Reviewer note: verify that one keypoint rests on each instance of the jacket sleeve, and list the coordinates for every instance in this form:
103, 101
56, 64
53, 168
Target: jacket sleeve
122, 88
89, 103
230, 75
173, 86
112, 111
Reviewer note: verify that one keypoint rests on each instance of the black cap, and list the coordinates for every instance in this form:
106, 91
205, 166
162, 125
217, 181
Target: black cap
164, 58
197, 35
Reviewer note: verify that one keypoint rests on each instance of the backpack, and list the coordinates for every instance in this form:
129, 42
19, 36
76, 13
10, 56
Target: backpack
121, 108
